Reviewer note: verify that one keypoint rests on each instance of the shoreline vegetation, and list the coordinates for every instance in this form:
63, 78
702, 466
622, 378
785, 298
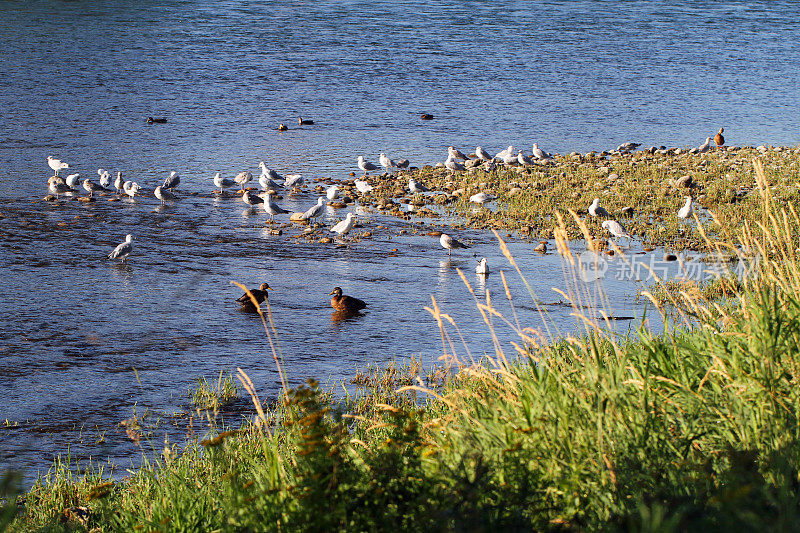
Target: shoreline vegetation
690, 428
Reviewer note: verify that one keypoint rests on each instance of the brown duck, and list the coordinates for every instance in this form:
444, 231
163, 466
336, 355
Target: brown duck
718, 138
341, 302
259, 294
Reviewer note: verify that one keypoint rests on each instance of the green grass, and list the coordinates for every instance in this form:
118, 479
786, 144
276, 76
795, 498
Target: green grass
212, 396
692, 429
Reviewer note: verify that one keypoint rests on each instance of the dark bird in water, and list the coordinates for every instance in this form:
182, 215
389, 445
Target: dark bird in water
341, 302
426, 116
718, 138
304, 122
259, 294
156, 120
282, 127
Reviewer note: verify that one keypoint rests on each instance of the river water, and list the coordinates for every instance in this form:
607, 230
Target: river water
85, 340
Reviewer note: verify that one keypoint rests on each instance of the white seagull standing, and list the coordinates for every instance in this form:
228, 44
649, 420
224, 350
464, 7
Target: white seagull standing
332, 192
481, 198
271, 207
266, 171
293, 180
705, 146
481, 153
386, 161
538, 153
56, 164
615, 229
105, 178
57, 187
450, 243
456, 154
524, 160
365, 166
163, 194
72, 180
453, 165
131, 188
92, 187
243, 177
266, 183
686, 211
251, 199
118, 183
222, 183
598, 211
344, 227
314, 211
503, 153
123, 250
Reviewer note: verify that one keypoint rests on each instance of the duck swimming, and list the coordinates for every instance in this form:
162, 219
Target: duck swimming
259, 294
341, 302
304, 122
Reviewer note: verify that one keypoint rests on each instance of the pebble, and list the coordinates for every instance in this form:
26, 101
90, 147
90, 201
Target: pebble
541, 247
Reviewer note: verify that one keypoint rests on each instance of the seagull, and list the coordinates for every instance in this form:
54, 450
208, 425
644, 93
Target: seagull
344, 227
72, 180
365, 166
172, 181
510, 159
266, 183
293, 180
455, 154
628, 146
243, 177
92, 187
482, 268
538, 153
332, 192
686, 211
59, 187
271, 207
489, 166
123, 250
402, 163
314, 211
450, 243
385, 161
222, 183
56, 164
703, 148
481, 198
524, 160
131, 188
163, 194
362, 186
416, 187
453, 165
266, 171
615, 229
105, 178
251, 199
481, 153
597, 211
502, 153
118, 183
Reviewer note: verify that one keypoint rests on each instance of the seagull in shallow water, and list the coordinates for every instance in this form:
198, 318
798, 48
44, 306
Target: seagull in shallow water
416, 187
56, 164
266, 183
615, 229
92, 187
293, 180
163, 194
251, 199
482, 268
332, 192
222, 183
344, 227
363, 186
172, 181
385, 161
365, 166
243, 177
597, 211
315, 210
131, 188
686, 211
105, 178
271, 207
266, 171
450, 243
59, 187
118, 183
72, 180
123, 250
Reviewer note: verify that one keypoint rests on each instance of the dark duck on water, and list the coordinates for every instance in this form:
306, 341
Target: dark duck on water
342, 302
259, 294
